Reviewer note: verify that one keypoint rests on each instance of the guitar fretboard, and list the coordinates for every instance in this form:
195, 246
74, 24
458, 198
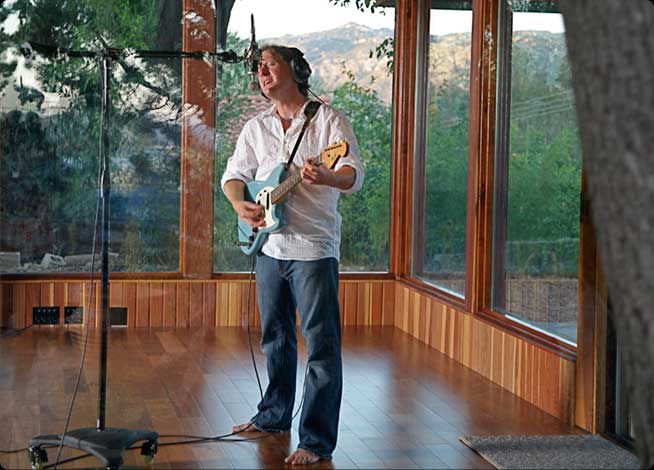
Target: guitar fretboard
285, 187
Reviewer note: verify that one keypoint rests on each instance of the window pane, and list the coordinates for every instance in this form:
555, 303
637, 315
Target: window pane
345, 76
538, 173
442, 152
50, 125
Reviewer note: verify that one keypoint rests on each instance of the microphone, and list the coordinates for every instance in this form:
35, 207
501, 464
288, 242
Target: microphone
252, 56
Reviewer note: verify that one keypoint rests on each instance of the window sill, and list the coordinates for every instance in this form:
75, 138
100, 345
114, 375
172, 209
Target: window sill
433, 291
524, 332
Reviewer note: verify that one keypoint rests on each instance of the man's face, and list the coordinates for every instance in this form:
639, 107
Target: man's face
274, 75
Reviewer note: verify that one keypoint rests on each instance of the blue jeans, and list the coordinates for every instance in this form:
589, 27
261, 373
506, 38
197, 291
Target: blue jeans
312, 286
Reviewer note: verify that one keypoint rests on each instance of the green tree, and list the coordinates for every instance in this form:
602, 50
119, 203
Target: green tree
144, 121
234, 105
366, 214
446, 178
30, 174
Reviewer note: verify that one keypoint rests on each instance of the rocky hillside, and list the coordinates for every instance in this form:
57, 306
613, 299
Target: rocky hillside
331, 53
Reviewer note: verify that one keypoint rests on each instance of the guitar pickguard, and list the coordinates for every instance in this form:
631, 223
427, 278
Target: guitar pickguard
263, 198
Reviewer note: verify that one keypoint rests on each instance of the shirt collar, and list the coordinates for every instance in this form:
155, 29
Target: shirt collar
271, 110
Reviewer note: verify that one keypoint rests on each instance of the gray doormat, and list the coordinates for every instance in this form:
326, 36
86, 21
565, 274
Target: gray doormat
536, 452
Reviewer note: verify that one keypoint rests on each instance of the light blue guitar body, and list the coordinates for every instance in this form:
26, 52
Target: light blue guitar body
271, 194
259, 192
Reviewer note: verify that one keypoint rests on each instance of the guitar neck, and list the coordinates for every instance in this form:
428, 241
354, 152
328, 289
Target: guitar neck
285, 187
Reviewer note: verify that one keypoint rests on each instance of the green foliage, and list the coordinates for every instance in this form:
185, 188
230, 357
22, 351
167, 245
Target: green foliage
49, 169
232, 107
445, 183
144, 133
362, 5
544, 170
385, 50
30, 175
544, 179
366, 214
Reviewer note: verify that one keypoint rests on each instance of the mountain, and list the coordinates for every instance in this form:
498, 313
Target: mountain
347, 48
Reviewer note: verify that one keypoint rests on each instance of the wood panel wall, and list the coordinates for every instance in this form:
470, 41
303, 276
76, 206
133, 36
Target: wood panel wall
181, 304
530, 372
539, 376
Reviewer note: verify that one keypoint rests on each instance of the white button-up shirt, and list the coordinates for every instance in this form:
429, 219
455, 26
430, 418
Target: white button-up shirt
312, 224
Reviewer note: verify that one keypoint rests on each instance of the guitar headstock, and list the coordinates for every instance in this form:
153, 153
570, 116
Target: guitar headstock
330, 155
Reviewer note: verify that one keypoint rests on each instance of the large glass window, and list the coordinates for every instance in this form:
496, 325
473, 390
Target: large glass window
537, 172
441, 167
50, 121
350, 53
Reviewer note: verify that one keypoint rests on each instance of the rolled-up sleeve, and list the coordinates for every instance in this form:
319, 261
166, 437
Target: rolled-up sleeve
243, 164
341, 129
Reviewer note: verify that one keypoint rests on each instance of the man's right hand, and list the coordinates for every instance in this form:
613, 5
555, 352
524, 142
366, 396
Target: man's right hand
250, 213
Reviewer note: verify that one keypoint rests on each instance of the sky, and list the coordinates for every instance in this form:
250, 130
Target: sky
274, 18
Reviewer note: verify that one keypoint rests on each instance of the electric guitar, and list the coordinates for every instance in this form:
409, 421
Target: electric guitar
271, 194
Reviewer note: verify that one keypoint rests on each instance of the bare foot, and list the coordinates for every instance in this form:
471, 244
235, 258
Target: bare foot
302, 457
245, 427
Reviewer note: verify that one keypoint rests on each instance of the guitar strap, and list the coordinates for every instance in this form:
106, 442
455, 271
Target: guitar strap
309, 112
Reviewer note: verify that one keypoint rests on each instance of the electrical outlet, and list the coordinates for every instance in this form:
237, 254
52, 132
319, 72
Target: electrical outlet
45, 315
118, 316
73, 315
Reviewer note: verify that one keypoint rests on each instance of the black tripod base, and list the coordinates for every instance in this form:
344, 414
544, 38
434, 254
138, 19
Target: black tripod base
108, 445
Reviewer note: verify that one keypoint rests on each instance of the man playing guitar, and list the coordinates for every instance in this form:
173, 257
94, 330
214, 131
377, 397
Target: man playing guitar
297, 265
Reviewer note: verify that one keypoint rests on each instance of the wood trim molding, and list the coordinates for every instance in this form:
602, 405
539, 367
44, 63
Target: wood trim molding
416, 249
433, 291
198, 133
542, 340
87, 276
403, 134
482, 142
590, 377
182, 303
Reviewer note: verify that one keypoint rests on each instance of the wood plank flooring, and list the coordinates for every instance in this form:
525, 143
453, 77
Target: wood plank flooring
404, 404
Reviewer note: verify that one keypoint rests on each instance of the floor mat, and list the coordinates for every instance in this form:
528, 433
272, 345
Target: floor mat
536, 452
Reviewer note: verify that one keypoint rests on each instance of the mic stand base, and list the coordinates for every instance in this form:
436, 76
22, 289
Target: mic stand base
108, 445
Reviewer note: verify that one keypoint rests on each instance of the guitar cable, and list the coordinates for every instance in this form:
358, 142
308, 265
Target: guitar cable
249, 333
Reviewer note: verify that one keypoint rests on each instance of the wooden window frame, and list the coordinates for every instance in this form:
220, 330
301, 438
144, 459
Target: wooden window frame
197, 157
481, 180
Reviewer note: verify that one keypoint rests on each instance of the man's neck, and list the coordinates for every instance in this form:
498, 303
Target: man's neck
289, 107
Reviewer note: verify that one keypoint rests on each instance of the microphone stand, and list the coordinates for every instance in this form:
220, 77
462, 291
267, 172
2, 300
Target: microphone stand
107, 444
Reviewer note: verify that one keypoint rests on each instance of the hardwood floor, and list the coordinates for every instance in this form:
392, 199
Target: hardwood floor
404, 404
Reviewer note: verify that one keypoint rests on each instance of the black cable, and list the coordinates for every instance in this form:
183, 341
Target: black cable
198, 439
16, 451
194, 440
316, 96
247, 308
14, 331
68, 460
191, 440
254, 364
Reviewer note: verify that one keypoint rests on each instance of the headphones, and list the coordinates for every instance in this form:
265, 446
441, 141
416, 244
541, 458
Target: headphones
300, 69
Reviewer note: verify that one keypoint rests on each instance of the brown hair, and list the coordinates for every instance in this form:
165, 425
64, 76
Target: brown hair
294, 57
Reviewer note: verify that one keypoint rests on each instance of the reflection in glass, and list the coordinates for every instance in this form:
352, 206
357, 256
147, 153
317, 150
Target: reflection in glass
537, 173
351, 71
50, 128
442, 152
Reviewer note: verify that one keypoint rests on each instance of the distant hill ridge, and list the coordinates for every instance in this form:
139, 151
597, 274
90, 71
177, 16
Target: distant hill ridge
348, 47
